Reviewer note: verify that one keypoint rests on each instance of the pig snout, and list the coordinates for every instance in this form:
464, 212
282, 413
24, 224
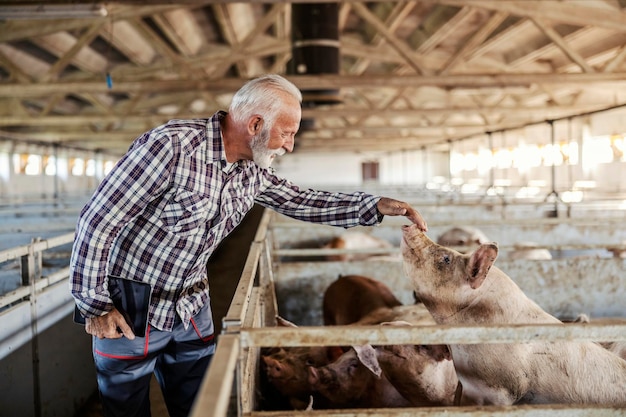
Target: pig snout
409, 234
325, 380
313, 376
273, 367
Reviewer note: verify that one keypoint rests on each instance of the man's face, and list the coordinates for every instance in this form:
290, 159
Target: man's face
262, 155
278, 139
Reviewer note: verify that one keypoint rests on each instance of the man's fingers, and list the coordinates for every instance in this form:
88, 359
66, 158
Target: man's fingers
106, 327
389, 206
126, 330
417, 218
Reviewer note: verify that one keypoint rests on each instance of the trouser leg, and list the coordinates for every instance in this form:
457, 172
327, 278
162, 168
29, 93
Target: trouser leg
123, 374
181, 366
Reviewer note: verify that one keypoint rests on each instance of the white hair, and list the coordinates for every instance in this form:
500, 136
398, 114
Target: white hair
258, 96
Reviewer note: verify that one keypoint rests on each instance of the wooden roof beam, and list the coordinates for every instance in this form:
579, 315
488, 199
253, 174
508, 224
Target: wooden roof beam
76, 52
402, 48
309, 82
397, 15
55, 120
579, 13
474, 41
562, 44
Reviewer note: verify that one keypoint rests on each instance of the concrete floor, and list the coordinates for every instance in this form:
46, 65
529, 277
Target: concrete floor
224, 268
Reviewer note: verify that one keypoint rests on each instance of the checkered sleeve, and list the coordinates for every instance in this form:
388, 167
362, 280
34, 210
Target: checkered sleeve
142, 174
332, 208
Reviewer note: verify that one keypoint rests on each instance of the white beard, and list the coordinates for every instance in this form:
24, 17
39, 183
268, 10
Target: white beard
261, 154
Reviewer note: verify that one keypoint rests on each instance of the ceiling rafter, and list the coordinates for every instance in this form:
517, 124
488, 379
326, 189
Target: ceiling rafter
455, 67
444, 31
398, 45
309, 82
70, 54
394, 19
562, 44
474, 41
579, 13
65, 120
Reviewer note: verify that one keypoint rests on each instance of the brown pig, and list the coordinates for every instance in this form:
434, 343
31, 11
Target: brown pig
285, 371
355, 380
351, 297
466, 289
414, 314
423, 374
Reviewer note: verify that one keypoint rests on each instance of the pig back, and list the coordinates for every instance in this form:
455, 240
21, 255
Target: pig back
351, 297
414, 314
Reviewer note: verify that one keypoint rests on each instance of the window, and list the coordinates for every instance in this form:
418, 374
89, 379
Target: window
77, 166
90, 169
50, 165
33, 165
369, 171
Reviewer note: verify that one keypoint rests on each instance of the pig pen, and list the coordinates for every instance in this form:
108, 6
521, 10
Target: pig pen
285, 274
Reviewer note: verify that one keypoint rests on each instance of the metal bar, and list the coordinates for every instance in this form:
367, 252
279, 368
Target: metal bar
386, 251
322, 251
22, 292
391, 222
237, 310
60, 275
214, 395
427, 335
261, 232
53, 304
38, 210
552, 410
14, 253
248, 365
267, 284
13, 296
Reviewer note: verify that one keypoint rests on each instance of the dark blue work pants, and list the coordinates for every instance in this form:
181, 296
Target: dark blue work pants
178, 358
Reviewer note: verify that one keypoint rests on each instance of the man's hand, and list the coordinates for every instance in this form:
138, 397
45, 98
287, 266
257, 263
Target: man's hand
391, 207
106, 327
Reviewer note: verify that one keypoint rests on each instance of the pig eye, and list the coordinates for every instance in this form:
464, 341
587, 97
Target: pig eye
445, 259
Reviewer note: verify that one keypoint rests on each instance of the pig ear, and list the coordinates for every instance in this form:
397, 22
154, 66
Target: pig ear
480, 262
281, 322
367, 356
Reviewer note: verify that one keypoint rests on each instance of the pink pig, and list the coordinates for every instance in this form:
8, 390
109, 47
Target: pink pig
466, 289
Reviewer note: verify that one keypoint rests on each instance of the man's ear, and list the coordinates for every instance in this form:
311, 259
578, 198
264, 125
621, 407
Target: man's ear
255, 124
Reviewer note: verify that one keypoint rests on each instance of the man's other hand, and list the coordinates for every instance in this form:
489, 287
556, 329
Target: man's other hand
110, 326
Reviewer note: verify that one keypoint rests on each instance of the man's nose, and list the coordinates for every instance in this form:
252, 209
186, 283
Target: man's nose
289, 144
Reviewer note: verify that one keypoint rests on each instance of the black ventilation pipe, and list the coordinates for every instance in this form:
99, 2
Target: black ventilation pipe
315, 49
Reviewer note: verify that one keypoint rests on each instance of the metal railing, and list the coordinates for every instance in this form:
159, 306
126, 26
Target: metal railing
40, 301
248, 327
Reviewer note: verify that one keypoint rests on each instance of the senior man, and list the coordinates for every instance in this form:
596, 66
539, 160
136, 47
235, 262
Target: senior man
161, 212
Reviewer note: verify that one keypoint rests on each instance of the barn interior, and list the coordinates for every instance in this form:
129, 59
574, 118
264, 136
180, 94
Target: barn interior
504, 115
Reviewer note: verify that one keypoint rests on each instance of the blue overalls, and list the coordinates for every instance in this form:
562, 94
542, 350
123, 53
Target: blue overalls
178, 358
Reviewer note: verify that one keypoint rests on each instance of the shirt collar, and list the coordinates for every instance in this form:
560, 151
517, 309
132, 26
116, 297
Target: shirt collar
215, 146
215, 150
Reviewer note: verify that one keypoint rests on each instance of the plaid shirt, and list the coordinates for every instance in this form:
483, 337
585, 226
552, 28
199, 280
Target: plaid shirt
168, 203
